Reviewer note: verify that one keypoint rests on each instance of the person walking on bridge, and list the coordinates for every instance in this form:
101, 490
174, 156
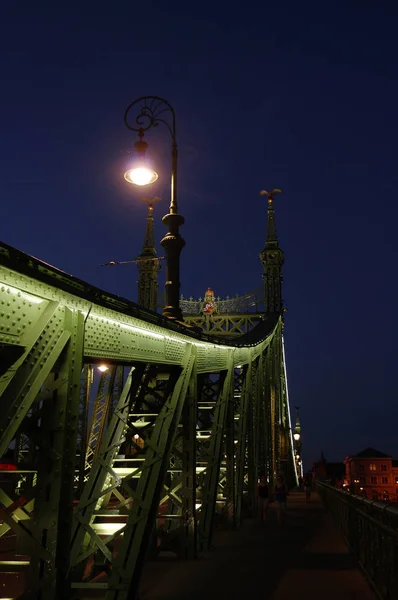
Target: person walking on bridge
263, 498
280, 494
307, 489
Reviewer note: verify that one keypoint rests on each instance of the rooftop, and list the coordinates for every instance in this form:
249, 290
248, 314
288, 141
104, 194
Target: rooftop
370, 453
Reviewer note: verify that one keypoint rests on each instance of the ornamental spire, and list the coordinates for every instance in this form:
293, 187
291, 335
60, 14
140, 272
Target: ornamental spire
298, 424
148, 263
272, 238
272, 258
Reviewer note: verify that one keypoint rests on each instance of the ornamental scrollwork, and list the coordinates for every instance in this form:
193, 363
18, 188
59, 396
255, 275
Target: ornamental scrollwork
152, 110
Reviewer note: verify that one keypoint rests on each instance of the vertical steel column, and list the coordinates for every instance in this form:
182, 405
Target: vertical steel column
280, 458
253, 438
100, 474
85, 385
242, 447
261, 400
229, 458
125, 576
189, 418
209, 495
100, 414
56, 467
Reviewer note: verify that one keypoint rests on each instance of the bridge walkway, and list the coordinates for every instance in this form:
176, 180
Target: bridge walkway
306, 558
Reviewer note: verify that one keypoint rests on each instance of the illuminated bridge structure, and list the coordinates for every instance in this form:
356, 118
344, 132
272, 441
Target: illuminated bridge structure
102, 469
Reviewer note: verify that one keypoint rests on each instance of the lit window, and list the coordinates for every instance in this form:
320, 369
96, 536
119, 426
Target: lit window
372, 467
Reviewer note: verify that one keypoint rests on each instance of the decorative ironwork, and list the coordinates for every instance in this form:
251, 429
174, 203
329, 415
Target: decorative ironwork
251, 302
152, 109
149, 115
190, 431
370, 529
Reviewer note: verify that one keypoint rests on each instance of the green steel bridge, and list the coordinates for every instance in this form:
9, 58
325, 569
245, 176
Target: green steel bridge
124, 434
127, 436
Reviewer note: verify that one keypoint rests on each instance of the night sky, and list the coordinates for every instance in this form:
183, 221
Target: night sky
300, 96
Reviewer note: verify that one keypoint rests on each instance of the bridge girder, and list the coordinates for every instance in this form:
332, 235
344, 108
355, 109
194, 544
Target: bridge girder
48, 334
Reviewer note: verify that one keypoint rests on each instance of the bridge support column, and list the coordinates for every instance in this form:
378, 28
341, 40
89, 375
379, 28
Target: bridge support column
125, 576
253, 438
229, 459
242, 439
210, 488
56, 437
189, 520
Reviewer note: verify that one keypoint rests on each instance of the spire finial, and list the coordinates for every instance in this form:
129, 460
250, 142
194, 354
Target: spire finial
272, 259
148, 263
272, 238
270, 195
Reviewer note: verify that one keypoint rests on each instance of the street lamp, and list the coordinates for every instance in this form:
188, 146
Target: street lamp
296, 436
152, 111
141, 173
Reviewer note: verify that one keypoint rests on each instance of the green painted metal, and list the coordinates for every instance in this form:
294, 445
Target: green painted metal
100, 414
124, 578
188, 491
241, 445
148, 264
23, 383
85, 385
101, 479
225, 325
226, 482
183, 386
209, 493
45, 532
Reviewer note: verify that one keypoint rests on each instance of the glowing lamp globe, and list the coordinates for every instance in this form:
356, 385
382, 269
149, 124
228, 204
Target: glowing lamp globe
296, 436
141, 176
102, 368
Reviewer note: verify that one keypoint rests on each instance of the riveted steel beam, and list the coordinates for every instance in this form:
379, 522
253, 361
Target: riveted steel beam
100, 414
241, 445
45, 532
182, 436
209, 492
100, 478
124, 579
47, 340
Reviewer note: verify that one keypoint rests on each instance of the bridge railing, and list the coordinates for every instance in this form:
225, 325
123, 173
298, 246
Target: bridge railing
371, 531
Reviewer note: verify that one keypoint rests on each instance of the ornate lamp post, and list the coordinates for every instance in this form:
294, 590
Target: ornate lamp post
297, 439
153, 110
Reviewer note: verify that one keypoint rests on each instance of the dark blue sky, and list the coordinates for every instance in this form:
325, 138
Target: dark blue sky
301, 96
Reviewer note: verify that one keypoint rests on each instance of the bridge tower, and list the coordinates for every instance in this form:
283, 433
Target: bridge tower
148, 263
277, 452
272, 258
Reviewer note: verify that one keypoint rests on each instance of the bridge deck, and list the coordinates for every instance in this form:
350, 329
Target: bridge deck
307, 558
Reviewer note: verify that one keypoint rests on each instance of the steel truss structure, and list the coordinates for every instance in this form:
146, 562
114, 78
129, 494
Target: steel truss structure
183, 424
225, 325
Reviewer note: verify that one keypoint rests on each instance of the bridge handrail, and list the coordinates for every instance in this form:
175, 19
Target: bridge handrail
371, 531
35, 268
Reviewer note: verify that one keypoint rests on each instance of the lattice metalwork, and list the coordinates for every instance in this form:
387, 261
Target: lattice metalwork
86, 380
179, 442
99, 416
225, 325
251, 302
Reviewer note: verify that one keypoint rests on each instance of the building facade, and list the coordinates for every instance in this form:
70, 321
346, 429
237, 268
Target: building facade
373, 474
329, 472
